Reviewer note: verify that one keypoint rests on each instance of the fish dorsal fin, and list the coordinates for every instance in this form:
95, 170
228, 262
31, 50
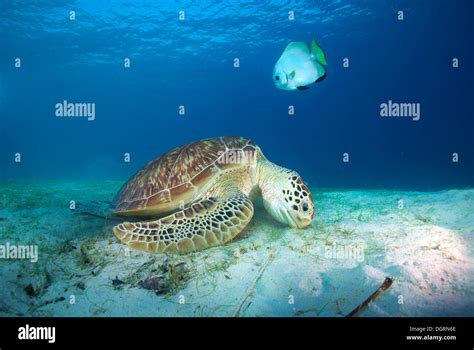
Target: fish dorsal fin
318, 53
297, 46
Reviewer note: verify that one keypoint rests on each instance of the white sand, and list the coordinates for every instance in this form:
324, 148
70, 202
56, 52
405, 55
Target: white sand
357, 239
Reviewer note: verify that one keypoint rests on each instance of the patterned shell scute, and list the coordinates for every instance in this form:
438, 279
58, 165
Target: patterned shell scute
176, 172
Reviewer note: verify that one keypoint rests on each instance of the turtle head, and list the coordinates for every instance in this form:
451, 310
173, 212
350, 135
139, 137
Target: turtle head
285, 196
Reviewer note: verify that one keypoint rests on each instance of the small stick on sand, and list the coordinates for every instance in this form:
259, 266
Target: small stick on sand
251, 289
385, 285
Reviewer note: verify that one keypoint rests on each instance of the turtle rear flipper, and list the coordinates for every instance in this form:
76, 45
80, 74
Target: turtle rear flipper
206, 223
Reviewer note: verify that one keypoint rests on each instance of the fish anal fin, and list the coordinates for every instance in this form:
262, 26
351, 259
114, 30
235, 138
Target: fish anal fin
321, 78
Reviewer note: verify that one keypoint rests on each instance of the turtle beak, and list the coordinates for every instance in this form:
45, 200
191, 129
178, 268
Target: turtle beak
297, 221
288, 218
303, 222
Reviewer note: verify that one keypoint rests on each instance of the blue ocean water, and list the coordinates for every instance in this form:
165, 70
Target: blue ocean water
190, 63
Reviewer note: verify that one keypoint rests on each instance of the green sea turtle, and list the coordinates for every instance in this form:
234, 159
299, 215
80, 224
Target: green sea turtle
202, 195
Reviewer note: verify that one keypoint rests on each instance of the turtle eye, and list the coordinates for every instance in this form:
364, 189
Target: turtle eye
277, 77
305, 206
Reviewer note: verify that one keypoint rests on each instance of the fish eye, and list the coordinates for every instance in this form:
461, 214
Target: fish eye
277, 77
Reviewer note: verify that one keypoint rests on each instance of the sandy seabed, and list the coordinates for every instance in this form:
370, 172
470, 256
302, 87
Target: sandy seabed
423, 240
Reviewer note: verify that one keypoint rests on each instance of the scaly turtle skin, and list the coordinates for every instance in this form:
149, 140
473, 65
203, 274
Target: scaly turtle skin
202, 194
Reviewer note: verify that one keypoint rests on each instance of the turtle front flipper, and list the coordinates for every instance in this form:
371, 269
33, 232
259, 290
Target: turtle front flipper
206, 223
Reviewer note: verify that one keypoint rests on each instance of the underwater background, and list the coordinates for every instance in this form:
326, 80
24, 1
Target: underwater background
191, 63
374, 56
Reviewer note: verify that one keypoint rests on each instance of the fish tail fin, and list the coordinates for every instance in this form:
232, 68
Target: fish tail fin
318, 53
